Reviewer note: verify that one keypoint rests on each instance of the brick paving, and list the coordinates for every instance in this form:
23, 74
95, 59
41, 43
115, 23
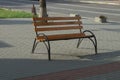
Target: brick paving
78, 73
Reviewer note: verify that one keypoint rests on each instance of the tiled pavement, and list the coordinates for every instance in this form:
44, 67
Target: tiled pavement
16, 60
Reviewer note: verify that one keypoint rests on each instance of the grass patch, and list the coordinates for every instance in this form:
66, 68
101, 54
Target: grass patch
7, 13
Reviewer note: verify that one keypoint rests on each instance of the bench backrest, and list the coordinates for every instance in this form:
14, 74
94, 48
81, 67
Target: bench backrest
57, 23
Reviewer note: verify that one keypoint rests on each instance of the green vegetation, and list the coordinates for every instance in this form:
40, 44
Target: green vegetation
7, 13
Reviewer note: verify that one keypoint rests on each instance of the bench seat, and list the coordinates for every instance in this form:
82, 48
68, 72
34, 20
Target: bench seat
63, 37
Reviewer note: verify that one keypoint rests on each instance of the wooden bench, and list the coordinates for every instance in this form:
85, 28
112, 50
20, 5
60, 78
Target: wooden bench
60, 28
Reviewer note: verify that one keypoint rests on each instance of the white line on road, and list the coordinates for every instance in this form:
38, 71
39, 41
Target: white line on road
88, 7
66, 9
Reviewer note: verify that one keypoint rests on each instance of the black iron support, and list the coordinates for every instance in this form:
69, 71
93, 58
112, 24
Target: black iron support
48, 49
47, 45
95, 44
93, 41
79, 41
34, 45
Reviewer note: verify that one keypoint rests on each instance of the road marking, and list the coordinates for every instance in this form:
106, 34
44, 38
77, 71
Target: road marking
100, 2
87, 7
66, 9
51, 12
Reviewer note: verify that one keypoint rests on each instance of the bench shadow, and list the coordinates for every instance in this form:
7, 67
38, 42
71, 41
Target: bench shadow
92, 56
12, 69
102, 56
4, 44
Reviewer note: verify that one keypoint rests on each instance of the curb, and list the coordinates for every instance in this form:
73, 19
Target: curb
104, 2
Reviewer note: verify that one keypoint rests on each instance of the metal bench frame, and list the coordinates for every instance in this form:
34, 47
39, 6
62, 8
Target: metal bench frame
42, 37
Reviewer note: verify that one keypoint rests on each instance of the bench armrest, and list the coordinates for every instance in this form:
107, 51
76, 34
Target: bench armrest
88, 31
42, 34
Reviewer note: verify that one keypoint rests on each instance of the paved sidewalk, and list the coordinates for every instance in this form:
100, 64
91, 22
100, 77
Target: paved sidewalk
16, 60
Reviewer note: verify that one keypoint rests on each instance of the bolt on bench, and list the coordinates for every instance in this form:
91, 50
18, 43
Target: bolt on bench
70, 25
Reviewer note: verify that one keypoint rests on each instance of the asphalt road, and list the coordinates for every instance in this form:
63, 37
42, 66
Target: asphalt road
87, 10
66, 8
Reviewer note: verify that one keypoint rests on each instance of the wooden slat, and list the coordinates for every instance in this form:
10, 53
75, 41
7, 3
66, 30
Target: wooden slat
63, 36
56, 18
58, 28
56, 23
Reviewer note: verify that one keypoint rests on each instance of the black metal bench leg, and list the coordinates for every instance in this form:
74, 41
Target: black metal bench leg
48, 49
79, 41
34, 45
94, 43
